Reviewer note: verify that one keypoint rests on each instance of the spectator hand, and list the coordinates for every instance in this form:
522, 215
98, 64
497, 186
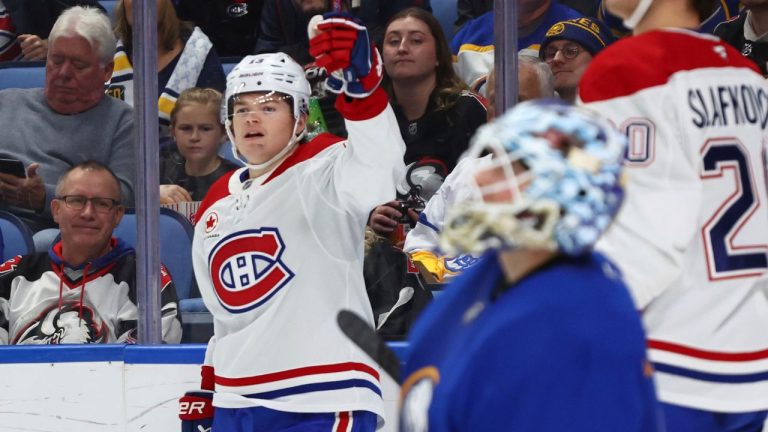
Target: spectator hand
383, 219
20, 192
171, 194
342, 46
32, 47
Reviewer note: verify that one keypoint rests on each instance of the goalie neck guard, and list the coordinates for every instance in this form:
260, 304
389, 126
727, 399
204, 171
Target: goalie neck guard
268, 73
557, 168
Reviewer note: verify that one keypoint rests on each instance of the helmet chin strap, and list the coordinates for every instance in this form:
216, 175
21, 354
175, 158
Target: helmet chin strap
637, 15
288, 147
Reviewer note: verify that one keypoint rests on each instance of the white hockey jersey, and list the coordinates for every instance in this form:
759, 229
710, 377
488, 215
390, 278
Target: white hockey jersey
692, 236
425, 236
276, 259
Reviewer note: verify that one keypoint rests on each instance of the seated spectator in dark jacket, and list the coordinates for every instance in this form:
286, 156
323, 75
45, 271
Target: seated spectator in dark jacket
82, 290
25, 25
185, 58
68, 121
232, 25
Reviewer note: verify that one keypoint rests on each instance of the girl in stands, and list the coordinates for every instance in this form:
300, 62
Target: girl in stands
190, 167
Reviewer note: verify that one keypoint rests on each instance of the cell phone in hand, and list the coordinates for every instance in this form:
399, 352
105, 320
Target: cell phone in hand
13, 167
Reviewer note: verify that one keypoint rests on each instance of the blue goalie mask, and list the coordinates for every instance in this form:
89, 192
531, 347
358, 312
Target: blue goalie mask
549, 179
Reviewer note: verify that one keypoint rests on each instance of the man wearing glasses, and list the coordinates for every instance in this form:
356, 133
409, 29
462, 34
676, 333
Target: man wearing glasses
569, 47
83, 289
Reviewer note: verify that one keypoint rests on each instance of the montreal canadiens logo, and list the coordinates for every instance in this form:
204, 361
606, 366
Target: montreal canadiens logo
246, 268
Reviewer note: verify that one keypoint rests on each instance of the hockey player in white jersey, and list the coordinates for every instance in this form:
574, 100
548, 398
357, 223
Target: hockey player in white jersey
278, 249
692, 237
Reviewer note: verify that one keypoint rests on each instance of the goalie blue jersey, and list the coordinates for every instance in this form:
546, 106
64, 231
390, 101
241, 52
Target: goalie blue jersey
563, 349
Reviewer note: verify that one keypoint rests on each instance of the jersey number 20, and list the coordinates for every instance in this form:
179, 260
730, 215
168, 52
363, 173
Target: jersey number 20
724, 259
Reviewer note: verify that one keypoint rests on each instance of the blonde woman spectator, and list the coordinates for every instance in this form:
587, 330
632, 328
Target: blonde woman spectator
185, 58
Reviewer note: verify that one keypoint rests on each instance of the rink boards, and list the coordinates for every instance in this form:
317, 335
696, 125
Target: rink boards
108, 388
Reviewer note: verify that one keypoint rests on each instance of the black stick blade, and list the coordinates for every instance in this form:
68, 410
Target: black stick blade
365, 337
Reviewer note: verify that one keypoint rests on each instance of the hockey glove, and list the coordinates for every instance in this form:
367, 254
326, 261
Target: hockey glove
339, 42
196, 411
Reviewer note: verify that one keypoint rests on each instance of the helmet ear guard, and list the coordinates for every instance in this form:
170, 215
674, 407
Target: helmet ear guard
570, 195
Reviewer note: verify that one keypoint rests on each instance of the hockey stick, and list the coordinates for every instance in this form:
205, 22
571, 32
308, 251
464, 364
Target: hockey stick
363, 335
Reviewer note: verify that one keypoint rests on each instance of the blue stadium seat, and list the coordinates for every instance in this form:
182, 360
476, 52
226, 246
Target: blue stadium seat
22, 74
16, 235
175, 249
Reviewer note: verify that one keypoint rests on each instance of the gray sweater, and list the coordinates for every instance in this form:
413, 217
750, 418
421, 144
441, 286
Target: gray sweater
32, 132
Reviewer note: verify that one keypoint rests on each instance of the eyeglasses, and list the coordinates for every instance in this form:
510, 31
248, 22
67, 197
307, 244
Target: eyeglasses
78, 202
569, 52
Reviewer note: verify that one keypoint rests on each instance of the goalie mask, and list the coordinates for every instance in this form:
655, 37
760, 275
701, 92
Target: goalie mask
551, 182
277, 75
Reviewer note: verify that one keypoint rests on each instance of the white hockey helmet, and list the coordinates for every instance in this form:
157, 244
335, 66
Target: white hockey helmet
274, 72
269, 73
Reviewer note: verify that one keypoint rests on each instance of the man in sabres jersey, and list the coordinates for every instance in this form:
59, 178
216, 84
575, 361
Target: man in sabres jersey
692, 236
278, 249
541, 334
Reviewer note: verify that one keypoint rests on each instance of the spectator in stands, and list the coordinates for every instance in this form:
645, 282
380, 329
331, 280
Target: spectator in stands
68, 121
26, 24
82, 290
535, 81
232, 25
188, 169
284, 24
436, 114
185, 58
748, 32
473, 44
568, 48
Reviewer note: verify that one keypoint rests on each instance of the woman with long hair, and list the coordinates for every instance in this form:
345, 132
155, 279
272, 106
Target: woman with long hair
436, 112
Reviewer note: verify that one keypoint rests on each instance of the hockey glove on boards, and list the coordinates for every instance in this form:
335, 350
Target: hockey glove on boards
196, 411
342, 46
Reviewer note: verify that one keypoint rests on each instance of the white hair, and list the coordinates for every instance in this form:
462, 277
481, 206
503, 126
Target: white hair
91, 24
543, 73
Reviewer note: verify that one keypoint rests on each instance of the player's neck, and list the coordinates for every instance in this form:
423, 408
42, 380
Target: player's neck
519, 263
666, 14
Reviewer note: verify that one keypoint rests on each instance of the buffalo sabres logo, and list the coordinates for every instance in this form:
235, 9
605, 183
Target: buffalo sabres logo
72, 323
246, 269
